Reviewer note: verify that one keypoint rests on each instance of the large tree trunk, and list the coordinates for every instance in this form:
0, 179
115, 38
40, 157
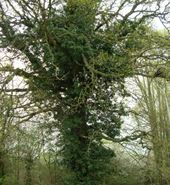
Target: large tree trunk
76, 143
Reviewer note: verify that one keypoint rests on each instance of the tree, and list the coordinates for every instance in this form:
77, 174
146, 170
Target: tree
154, 104
6, 120
78, 53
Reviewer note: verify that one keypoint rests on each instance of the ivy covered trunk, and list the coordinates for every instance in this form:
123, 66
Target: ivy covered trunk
75, 136
85, 156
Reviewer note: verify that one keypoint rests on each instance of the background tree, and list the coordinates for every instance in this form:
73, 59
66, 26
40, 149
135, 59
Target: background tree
155, 106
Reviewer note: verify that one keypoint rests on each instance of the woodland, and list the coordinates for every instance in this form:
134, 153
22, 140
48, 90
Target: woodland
84, 92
